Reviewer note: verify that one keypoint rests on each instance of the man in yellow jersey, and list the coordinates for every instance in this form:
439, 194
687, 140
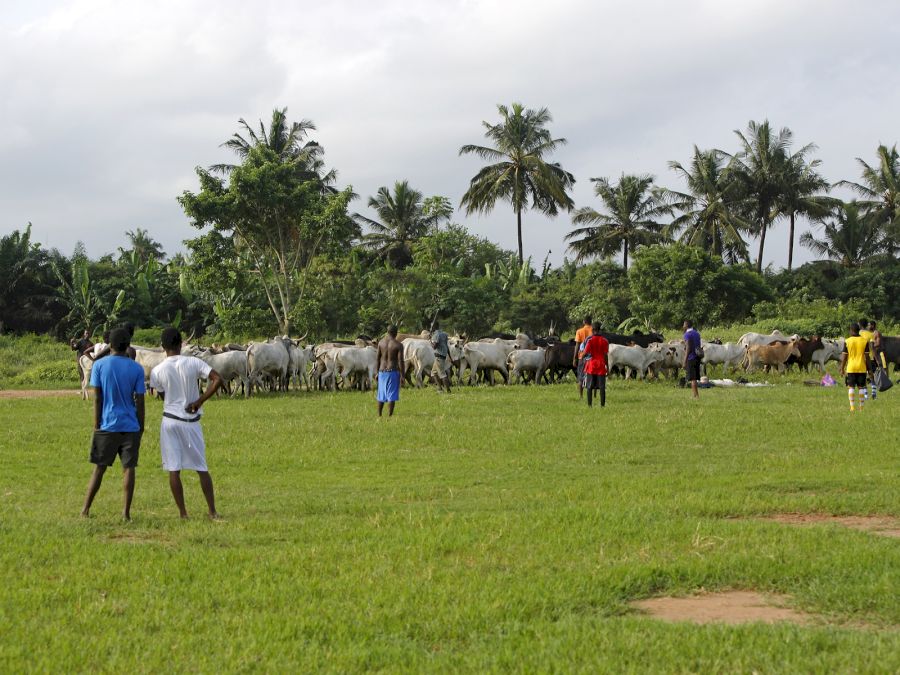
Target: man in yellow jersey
853, 364
869, 336
581, 335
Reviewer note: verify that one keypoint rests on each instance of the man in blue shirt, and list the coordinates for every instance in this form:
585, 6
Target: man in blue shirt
118, 384
692, 356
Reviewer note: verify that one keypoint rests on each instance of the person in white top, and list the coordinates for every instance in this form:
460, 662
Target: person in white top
180, 436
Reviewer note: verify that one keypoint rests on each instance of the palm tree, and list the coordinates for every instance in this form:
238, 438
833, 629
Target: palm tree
850, 238
760, 166
799, 197
709, 209
143, 245
289, 142
520, 143
880, 192
632, 206
404, 220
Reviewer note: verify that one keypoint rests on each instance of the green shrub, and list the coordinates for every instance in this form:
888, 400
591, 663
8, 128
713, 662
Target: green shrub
52, 372
825, 318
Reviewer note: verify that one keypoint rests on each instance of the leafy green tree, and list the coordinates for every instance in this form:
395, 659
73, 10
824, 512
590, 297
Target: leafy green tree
289, 142
801, 193
28, 299
709, 208
879, 190
672, 283
85, 306
850, 237
437, 205
403, 221
143, 246
633, 208
279, 216
759, 166
519, 172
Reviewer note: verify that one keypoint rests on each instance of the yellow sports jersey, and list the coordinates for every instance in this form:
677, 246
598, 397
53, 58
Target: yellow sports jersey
856, 354
869, 336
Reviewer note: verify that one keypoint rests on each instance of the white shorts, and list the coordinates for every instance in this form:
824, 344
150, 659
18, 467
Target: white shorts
182, 445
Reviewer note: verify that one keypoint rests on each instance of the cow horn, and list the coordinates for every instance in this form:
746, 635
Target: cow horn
302, 337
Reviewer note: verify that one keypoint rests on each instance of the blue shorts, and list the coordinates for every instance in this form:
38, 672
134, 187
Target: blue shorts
388, 386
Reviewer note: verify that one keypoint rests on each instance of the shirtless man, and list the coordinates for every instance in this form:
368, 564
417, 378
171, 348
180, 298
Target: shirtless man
390, 365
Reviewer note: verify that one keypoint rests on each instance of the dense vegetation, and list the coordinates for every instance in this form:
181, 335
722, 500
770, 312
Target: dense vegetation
278, 249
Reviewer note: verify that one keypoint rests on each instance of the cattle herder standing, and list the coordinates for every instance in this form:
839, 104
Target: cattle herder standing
853, 365
581, 336
390, 364
440, 344
692, 357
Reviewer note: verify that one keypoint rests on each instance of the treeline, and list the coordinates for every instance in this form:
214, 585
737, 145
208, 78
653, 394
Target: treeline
279, 249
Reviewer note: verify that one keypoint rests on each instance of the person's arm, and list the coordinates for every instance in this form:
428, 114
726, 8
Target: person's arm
98, 407
843, 360
400, 364
215, 381
139, 406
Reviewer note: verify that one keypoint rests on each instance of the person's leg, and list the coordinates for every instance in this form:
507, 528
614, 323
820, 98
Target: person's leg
590, 397
603, 391
380, 407
851, 394
861, 396
579, 375
128, 490
177, 492
206, 485
93, 487
390, 409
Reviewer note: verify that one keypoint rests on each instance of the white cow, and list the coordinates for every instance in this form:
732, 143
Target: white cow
149, 358
300, 358
486, 355
673, 357
637, 359
526, 361
749, 339
831, 351
728, 355
86, 363
361, 361
418, 357
270, 359
230, 366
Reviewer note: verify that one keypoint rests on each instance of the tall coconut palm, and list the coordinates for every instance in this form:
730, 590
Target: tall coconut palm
801, 193
709, 208
520, 143
850, 237
632, 208
404, 220
880, 192
291, 144
759, 166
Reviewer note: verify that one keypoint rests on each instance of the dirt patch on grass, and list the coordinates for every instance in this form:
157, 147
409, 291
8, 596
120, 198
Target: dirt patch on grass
730, 607
886, 526
38, 393
140, 538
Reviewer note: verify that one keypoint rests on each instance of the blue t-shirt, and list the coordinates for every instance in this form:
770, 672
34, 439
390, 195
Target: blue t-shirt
119, 378
692, 338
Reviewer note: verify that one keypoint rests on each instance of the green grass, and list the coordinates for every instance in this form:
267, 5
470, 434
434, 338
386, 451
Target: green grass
492, 530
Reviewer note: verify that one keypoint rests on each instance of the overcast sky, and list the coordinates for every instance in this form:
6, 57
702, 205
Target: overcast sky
108, 106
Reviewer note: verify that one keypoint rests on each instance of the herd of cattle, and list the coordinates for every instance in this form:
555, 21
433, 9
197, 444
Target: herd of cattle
280, 363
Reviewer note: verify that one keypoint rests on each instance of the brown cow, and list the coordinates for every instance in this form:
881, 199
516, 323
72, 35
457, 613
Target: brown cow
770, 355
806, 347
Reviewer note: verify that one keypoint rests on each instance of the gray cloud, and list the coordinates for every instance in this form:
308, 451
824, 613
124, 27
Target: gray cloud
109, 106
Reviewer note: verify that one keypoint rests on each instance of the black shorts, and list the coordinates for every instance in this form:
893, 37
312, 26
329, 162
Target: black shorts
692, 372
856, 380
106, 445
594, 381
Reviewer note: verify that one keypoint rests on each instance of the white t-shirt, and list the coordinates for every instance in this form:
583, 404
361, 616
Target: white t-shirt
97, 348
177, 376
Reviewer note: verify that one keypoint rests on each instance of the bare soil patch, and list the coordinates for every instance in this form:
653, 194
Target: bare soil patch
38, 393
886, 526
732, 607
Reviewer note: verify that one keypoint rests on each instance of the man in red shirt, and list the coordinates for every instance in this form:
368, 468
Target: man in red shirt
596, 364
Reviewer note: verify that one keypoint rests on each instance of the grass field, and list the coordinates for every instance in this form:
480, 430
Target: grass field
492, 530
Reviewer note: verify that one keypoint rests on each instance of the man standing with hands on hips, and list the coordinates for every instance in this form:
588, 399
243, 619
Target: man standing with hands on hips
180, 436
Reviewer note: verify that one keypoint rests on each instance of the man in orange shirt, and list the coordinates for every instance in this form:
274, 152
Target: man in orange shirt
596, 365
581, 335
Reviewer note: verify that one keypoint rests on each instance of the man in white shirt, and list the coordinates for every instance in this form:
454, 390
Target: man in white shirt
180, 436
